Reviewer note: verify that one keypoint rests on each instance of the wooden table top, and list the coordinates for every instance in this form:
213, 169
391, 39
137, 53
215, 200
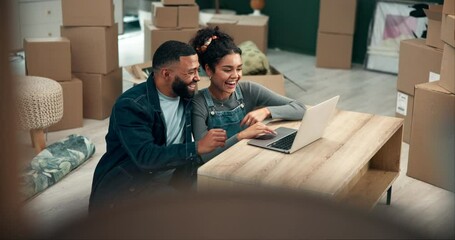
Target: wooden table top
327, 166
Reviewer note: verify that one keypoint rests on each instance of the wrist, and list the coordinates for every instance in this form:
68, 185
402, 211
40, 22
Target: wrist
239, 136
267, 112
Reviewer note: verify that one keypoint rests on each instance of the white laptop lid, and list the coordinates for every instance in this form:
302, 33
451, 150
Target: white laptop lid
314, 122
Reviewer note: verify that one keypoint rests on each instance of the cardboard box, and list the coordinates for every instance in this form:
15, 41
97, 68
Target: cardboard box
154, 37
448, 69
334, 50
449, 7
188, 16
139, 72
164, 16
434, 15
87, 13
100, 93
243, 28
178, 2
431, 150
404, 109
274, 81
448, 29
93, 49
418, 63
337, 16
72, 106
48, 57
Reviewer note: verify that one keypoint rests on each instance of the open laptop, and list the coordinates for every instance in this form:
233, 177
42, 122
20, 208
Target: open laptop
314, 122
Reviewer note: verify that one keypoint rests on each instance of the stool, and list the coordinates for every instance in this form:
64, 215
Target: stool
40, 105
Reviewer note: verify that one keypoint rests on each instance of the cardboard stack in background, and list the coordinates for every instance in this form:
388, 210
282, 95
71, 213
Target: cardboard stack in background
244, 28
171, 20
432, 140
335, 33
90, 27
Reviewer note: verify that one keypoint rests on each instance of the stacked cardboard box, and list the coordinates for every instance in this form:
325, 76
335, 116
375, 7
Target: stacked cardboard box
431, 152
90, 27
171, 20
335, 33
51, 58
418, 63
244, 28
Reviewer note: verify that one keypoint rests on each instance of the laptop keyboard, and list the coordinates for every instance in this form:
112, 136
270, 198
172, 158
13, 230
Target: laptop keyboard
284, 143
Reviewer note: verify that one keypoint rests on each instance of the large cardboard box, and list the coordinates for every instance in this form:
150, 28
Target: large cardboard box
449, 7
72, 106
274, 81
334, 50
431, 150
164, 16
93, 49
434, 15
48, 57
154, 37
100, 93
185, 16
448, 69
337, 16
404, 109
243, 28
188, 16
178, 2
448, 29
418, 63
87, 13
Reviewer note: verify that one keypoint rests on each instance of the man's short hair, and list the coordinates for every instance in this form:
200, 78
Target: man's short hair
170, 52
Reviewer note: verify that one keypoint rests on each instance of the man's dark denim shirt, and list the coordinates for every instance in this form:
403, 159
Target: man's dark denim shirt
136, 138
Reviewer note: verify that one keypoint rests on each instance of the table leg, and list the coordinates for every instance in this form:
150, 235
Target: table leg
38, 140
389, 195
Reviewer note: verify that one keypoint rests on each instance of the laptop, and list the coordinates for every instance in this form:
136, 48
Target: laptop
314, 122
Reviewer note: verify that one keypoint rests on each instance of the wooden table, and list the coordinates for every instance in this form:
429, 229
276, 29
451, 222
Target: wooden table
356, 160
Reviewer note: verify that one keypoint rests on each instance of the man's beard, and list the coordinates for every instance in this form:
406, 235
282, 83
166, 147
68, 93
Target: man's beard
181, 88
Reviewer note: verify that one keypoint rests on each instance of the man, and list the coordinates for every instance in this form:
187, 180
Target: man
149, 142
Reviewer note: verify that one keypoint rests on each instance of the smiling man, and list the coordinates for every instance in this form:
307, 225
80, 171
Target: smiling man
149, 141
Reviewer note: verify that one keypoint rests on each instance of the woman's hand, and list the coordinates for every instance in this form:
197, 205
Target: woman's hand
255, 116
258, 129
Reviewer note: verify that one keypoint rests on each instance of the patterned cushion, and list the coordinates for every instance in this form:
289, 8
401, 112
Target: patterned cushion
55, 162
254, 61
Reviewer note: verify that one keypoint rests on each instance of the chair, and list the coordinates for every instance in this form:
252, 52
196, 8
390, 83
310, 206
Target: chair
40, 105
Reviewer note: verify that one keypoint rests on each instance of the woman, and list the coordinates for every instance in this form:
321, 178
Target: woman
237, 107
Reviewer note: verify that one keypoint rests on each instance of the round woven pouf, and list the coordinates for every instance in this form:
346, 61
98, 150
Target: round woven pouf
40, 105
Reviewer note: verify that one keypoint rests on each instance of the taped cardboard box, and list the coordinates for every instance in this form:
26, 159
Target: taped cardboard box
72, 106
93, 49
404, 109
449, 7
100, 93
48, 57
431, 152
337, 16
434, 15
164, 16
154, 37
448, 69
244, 28
334, 50
88, 13
188, 16
418, 63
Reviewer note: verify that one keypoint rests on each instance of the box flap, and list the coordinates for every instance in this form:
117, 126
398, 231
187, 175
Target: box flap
434, 87
434, 12
253, 20
224, 19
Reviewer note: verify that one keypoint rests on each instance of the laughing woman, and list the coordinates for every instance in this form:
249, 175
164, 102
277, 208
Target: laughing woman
238, 107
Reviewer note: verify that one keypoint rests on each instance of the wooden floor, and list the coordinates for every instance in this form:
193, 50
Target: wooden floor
418, 204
